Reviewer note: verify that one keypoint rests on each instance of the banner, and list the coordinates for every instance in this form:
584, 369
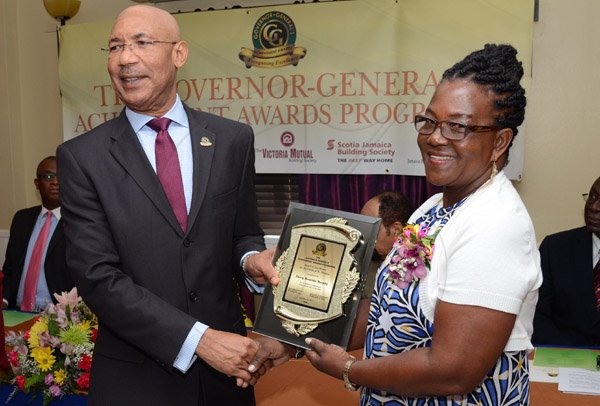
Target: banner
328, 87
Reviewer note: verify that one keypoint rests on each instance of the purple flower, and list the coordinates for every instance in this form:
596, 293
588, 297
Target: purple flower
61, 318
54, 341
22, 349
44, 339
67, 348
420, 270
414, 249
402, 252
55, 391
49, 379
50, 310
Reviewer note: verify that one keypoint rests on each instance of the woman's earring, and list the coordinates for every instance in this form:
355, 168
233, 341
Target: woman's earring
494, 170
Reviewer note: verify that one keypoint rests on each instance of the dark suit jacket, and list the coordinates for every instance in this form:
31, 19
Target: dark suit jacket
57, 275
566, 311
147, 281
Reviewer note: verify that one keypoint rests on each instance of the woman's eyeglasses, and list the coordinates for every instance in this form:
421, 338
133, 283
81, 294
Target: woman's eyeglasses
449, 129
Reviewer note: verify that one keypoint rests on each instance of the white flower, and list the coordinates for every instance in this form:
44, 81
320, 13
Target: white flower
68, 298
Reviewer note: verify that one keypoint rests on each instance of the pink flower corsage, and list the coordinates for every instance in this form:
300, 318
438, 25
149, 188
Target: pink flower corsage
411, 260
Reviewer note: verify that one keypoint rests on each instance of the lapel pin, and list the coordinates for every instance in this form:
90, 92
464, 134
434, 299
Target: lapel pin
205, 142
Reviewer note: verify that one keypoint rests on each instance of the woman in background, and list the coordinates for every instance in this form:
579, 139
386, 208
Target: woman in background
453, 325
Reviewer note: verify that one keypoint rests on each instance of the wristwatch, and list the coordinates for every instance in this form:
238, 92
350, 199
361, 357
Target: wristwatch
346, 371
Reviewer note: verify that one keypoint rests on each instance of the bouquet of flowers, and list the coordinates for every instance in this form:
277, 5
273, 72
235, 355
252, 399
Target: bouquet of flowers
54, 356
411, 260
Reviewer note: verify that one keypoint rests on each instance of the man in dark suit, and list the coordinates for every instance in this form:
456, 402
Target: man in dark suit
568, 312
25, 228
151, 256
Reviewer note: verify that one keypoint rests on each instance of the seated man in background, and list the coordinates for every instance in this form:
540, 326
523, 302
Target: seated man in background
568, 309
394, 209
35, 266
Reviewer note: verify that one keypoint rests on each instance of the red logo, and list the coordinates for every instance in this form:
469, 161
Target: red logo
287, 139
330, 144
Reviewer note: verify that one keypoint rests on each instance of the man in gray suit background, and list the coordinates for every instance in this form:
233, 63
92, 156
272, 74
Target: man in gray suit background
158, 204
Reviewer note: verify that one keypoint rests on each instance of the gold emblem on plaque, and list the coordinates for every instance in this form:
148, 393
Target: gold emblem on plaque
318, 274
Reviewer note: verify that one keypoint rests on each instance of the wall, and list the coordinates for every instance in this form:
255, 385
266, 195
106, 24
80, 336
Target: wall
562, 146
30, 106
561, 149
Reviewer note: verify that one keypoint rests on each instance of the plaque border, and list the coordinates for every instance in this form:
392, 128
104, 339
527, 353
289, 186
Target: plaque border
334, 331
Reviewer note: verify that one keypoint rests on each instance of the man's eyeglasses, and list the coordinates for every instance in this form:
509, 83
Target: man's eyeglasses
47, 177
449, 129
590, 197
139, 46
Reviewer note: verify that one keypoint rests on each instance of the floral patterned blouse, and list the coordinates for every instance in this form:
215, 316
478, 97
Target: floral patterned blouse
396, 324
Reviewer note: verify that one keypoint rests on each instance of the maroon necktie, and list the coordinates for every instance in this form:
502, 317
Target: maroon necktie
168, 169
35, 263
597, 284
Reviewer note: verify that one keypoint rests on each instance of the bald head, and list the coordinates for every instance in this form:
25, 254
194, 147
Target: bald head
592, 209
146, 52
160, 19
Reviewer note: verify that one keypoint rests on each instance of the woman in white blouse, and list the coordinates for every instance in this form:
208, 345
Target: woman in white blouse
458, 330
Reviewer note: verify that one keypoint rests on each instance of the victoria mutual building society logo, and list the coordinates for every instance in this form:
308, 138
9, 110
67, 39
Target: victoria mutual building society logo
274, 39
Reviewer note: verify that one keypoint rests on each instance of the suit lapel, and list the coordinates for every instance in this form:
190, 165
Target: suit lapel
31, 219
203, 147
26, 226
58, 230
127, 150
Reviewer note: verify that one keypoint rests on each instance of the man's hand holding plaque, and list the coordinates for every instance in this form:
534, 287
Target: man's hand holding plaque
260, 267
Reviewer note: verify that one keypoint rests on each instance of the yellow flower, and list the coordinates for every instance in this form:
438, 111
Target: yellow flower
59, 376
86, 325
43, 356
38, 327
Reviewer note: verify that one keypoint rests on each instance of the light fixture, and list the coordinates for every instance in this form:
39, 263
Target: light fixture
62, 10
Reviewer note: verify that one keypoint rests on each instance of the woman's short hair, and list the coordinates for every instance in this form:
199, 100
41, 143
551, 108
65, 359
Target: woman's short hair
497, 67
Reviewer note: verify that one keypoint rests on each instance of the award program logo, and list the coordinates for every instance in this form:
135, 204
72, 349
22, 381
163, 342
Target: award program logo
320, 250
274, 39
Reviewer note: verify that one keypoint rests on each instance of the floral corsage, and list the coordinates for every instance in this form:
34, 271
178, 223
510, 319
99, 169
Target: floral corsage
412, 256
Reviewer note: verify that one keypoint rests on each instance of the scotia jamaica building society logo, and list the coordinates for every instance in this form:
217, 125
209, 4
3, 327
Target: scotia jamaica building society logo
274, 39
